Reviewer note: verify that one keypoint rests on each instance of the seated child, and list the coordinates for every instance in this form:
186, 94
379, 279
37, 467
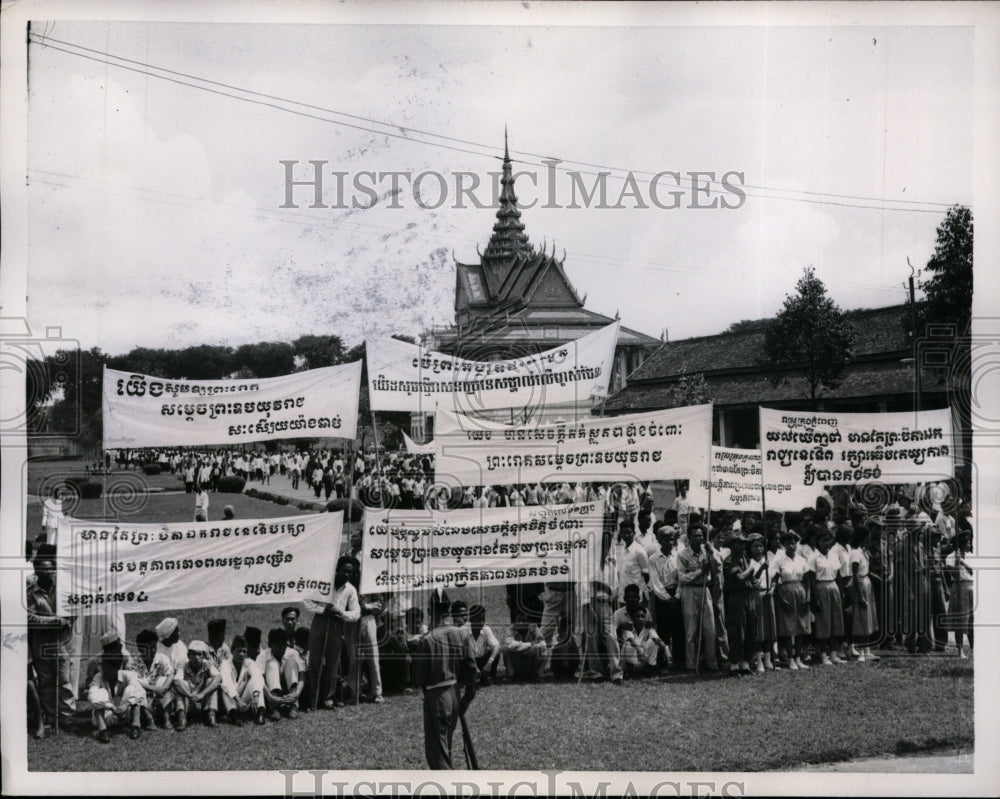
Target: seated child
524, 651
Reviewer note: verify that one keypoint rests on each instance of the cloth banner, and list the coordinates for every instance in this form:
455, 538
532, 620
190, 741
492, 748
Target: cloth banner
418, 449
143, 411
156, 567
802, 452
642, 446
735, 481
407, 550
408, 377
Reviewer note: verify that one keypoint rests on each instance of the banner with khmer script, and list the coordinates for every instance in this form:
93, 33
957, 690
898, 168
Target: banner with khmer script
407, 377
735, 481
144, 411
802, 452
671, 444
158, 567
413, 550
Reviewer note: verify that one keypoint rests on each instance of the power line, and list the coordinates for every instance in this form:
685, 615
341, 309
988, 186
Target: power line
45, 41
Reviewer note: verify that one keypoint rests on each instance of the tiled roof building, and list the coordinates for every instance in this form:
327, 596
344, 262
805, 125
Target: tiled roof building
880, 378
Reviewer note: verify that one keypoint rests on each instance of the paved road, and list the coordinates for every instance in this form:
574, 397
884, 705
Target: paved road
945, 761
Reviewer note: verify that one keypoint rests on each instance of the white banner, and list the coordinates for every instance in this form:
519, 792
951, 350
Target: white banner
641, 446
157, 567
404, 550
802, 452
418, 449
144, 411
407, 377
735, 481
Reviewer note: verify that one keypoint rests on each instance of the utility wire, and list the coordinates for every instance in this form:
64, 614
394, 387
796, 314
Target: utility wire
46, 41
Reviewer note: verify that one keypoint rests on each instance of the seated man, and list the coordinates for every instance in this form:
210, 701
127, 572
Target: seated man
115, 696
485, 644
524, 651
242, 688
281, 668
195, 686
154, 673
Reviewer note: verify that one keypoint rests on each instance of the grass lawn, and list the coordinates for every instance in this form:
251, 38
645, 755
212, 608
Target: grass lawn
778, 720
671, 724
48, 473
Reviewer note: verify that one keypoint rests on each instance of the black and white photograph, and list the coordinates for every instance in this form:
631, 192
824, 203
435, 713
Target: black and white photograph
499, 399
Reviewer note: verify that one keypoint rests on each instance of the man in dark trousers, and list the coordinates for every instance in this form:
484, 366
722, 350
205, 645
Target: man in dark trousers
445, 659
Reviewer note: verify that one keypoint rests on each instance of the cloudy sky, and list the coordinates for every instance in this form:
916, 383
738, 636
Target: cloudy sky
155, 183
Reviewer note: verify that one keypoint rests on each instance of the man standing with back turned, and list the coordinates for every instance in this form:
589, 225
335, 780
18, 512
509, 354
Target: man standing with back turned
445, 658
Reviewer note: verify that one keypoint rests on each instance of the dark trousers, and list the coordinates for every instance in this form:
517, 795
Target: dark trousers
440, 719
324, 660
670, 626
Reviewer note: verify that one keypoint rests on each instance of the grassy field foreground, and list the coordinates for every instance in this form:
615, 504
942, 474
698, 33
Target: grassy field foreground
755, 723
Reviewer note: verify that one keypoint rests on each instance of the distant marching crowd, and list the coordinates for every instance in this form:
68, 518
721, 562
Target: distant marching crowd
690, 592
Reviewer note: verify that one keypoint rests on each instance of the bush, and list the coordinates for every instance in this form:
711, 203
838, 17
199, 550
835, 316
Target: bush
335, 505
232, 484
305, 506
91, 490
152, 468
281, 500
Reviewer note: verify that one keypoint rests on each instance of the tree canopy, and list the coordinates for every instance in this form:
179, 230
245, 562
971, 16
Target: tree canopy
810, 336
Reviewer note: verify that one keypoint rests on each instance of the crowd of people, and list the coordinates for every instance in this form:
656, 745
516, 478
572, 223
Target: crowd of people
693, 592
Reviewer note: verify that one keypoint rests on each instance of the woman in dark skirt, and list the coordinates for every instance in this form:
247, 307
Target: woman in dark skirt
828, 624
741, 604
792, 609
865, 620
762, 599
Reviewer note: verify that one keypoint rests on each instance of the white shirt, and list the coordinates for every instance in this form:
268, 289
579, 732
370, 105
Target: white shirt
633, 563
344, 599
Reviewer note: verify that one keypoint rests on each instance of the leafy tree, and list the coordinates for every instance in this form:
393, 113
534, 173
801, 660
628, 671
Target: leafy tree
314, 352
689, 390
810, 336
747, 326
948, 293
949, 289
266, 359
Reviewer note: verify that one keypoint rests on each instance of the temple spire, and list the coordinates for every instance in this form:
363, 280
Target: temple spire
508, 240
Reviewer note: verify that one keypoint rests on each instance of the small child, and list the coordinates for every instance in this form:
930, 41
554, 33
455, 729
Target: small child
641, 650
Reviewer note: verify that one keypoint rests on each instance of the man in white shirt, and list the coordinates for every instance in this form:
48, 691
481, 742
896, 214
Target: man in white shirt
328, 632
633, 568
485, 645
242, 685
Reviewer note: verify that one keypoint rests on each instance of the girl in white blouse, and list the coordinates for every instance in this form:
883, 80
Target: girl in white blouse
865, 620
788, 571
828, 627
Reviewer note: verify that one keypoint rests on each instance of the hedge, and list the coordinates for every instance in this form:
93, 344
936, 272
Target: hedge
231, 484
152, 468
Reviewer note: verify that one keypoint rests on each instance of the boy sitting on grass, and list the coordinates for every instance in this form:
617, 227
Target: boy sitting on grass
115, 696
281, 668
154, 673
196, 686
242, 688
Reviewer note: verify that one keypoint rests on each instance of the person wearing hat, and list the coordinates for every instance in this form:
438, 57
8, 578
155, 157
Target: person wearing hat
114, 694
196, 686
242, 688
742, 604
788, 570
823, 575
960, 607
762, 598
252, 635
49, 638
173, 648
